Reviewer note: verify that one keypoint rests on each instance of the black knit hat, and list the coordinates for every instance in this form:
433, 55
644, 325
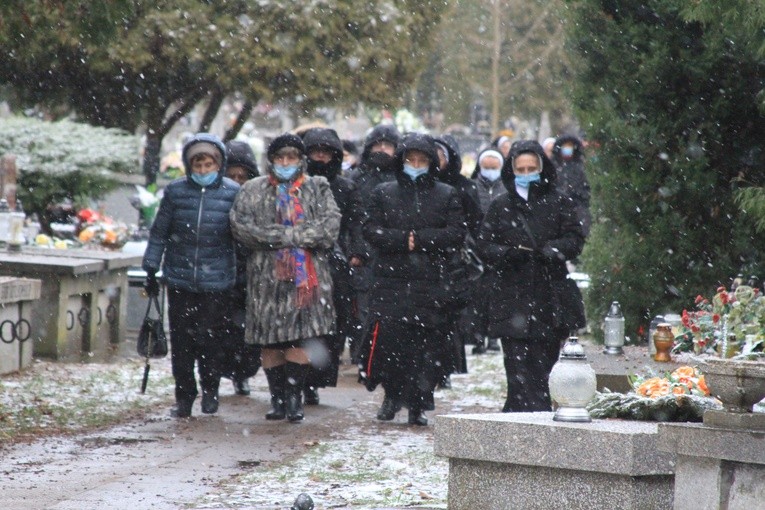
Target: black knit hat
285, 140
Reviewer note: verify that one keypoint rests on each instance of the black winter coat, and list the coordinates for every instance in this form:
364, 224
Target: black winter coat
517, 239
191, 235
408, 285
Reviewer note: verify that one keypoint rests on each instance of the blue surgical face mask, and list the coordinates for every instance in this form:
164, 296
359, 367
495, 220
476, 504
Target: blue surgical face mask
566, 152
204, 179
525, 180
414, 172
285, 173
491, 174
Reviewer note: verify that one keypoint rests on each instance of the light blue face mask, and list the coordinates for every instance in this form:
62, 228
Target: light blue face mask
490, 174
566, 152
204, 179
285, 173
524, 181
414, 172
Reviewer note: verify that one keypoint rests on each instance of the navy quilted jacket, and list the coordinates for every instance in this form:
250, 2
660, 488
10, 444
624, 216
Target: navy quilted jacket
192, 231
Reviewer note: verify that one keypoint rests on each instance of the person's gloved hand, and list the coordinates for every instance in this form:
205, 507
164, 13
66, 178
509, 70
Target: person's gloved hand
550, 254
151, 285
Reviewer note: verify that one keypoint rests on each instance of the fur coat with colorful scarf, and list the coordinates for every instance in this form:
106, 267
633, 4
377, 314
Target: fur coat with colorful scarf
274, 314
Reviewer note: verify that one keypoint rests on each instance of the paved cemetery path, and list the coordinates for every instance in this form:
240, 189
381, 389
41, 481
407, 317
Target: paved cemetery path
161, 463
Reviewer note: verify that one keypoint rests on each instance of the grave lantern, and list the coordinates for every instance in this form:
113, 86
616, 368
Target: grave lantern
614, 330
572, 383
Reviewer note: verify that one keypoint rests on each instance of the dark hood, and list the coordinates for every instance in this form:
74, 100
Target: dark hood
240, 154
578, 149
523, 147
420, 142
453, 169
208, 138
383, 132
326, 138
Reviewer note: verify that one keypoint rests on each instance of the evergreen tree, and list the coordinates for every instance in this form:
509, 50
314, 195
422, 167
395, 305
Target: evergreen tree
671, 100
66, 160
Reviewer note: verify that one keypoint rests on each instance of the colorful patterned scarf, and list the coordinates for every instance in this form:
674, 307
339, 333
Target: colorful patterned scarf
294, 264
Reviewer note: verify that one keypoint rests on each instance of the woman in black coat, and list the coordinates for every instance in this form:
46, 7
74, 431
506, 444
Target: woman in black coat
568, 156
414, 224
240, 360
526, 237
459, 330
325, 157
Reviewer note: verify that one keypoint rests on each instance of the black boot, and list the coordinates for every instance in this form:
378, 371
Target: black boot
493, 345
388, 409
241, 386
182, 408
417, 417
295, 381
277, 381
311, 396
209, 401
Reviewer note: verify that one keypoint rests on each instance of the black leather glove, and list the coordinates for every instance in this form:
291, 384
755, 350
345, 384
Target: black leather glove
151, 285
550, 254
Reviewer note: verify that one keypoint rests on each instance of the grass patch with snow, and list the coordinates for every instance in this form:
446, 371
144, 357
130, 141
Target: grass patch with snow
393, 468
54, 397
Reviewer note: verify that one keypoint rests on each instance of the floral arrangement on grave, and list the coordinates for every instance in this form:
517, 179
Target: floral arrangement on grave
730, 325
100, 230
681, 395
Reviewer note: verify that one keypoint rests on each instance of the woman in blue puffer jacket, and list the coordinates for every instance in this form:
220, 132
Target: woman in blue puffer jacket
191, 239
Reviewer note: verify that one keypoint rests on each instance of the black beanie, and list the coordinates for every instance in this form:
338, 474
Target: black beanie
285, 140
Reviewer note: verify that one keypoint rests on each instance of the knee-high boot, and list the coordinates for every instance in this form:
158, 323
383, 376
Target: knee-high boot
277, 380
295, 380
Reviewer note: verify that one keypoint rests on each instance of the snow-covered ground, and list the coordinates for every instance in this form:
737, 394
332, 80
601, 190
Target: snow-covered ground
364, 464
370, 467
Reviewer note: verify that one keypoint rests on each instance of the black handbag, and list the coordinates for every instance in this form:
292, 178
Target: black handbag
568, 305
152, 342
460, 271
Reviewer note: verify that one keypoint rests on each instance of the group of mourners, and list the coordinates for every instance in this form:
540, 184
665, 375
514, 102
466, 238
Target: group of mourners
280, 270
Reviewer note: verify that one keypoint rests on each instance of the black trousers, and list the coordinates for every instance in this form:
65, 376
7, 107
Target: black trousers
197, 327
240, 360
528, 363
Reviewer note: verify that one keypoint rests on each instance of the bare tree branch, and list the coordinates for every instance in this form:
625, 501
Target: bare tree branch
186, 105
244, 114
216, 99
